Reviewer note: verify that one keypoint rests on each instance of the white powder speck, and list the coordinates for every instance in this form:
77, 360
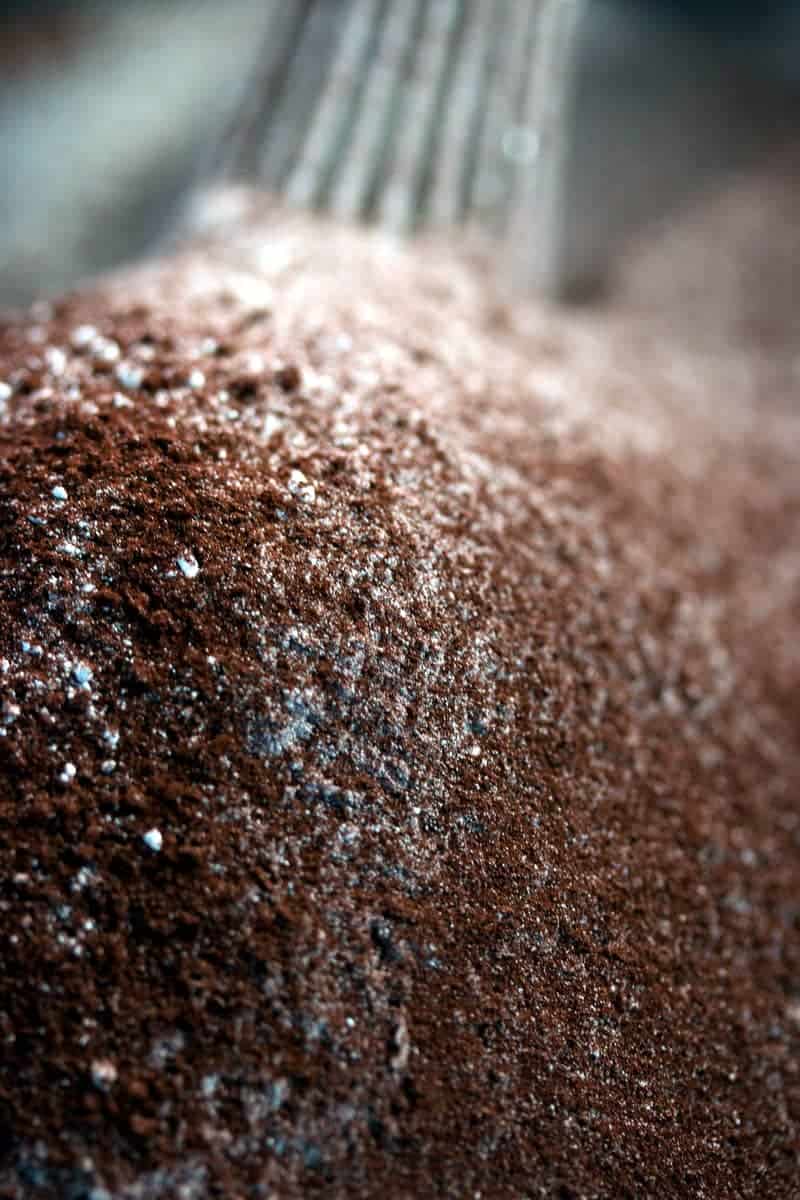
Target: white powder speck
272, 425
82, 674
189, 565
302, 488
197, 379
129, 375
59, 493
6, 392
85, 877
111, 738
56, 360
69, 772
105, 349
108, 766
120, 401
103, 1073
153, 840
83, 336
69, 548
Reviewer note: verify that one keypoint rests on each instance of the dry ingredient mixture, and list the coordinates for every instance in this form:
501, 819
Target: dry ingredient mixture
399, 749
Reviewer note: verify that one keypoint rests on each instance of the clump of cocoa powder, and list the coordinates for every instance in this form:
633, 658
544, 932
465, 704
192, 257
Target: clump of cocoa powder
399, 750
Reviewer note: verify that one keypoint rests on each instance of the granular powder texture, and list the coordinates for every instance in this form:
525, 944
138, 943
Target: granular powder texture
399, 749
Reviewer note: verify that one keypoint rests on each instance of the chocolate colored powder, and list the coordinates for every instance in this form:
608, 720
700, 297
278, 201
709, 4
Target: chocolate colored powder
400, 751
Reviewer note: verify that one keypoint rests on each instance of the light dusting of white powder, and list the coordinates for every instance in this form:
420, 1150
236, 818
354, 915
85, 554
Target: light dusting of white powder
68, 773
59, 493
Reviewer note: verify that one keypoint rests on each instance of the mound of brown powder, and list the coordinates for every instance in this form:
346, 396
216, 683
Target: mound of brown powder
400, 754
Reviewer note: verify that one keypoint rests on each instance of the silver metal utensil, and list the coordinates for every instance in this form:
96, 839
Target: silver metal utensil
554, 128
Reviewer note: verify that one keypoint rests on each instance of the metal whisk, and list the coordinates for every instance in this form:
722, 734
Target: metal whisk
427, 113
556, 127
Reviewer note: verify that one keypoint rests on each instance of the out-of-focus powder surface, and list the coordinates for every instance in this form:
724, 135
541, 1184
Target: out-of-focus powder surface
400, 749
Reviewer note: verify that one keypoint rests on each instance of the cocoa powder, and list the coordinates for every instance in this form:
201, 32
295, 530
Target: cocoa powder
400, 752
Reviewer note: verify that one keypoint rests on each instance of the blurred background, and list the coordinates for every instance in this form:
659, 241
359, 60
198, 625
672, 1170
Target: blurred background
563, 128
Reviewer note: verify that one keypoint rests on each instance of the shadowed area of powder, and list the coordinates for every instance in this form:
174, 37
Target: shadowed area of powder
399, 756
